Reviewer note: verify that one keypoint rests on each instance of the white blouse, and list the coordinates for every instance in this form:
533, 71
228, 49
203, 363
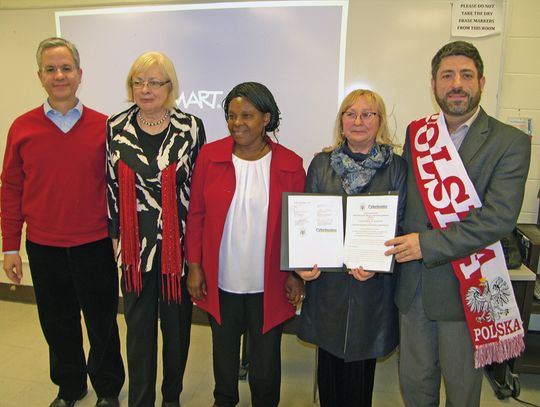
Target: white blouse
241, 254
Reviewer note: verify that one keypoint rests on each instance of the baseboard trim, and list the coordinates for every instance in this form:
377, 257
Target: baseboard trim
25, 294
17, 293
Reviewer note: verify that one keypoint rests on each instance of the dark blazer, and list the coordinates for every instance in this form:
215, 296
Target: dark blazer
496, 157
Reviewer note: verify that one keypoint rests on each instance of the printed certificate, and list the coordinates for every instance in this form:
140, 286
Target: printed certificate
337, 232
371, 220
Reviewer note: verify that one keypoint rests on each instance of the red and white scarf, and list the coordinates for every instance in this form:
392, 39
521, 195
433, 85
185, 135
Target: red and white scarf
171, 254
486, 291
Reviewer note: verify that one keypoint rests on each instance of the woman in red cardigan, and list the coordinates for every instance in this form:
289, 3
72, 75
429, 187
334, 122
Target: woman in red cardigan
233, 243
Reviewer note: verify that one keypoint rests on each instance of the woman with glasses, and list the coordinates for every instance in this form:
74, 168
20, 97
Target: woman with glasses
233, 244
351, 316
151, 150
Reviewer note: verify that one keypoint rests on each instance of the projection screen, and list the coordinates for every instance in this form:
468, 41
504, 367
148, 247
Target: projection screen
296, 48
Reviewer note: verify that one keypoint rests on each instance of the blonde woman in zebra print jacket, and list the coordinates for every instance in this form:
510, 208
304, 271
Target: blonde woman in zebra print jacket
151, 151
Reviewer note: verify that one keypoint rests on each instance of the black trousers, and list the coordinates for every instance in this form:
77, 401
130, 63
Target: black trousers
67, 281
142, 313
344, 384
241, 312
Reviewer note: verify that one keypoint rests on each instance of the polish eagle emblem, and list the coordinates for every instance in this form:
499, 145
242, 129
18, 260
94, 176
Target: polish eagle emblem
489, 300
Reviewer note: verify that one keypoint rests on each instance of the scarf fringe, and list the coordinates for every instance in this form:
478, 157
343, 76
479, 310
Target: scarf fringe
129, 229
174, 288
171, 254
498, 352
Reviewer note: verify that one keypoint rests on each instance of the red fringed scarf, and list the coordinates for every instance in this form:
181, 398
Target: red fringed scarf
486, 291
171, 255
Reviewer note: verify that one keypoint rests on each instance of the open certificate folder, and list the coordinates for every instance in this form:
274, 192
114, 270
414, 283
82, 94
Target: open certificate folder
335, 231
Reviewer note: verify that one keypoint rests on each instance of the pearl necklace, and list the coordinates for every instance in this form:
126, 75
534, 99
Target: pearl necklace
156, 123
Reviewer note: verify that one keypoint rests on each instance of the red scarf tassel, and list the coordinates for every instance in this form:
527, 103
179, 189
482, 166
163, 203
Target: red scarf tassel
129, 229
171, 254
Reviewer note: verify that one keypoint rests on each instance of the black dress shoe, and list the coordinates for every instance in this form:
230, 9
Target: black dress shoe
59, 402
107, 402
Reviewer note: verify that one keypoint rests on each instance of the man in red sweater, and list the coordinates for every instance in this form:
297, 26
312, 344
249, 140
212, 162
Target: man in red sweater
53, 179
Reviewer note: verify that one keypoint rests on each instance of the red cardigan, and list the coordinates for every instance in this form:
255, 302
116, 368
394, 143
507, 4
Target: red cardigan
54, 181
212, 190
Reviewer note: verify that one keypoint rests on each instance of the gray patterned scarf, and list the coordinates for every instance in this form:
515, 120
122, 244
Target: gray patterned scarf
356, 170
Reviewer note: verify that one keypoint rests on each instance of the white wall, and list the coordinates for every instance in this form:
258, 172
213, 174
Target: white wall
520, 92
23, 23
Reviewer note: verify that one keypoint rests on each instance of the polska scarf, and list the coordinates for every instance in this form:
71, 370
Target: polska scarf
171, 255
356, 175
486, 291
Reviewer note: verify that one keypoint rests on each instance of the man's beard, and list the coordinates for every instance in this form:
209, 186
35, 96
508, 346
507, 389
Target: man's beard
459, 109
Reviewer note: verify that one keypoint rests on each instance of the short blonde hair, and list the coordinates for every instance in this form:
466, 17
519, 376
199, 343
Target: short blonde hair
149, 60
383, 134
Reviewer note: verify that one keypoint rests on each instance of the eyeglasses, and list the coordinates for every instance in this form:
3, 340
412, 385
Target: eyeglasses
366, 116
153, 84
51, 70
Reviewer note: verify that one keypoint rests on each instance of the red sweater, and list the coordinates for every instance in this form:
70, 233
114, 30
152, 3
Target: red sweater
54, 181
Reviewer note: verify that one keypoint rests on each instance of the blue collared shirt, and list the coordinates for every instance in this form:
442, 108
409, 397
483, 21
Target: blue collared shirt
67, 121
459, 135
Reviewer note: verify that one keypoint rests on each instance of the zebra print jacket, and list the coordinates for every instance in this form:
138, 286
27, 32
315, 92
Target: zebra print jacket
182, 143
